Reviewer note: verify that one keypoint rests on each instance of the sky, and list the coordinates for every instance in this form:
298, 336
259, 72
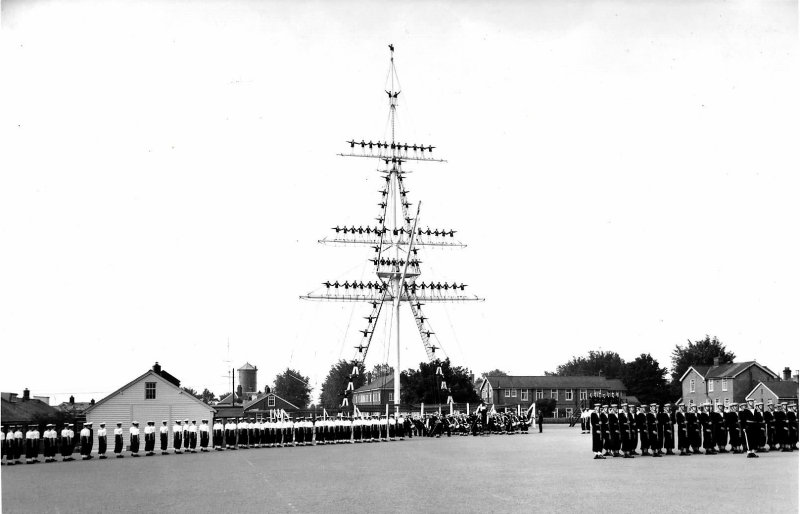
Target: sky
625, 175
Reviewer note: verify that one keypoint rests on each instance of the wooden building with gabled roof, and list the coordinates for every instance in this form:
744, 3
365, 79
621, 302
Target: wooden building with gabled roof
153, 396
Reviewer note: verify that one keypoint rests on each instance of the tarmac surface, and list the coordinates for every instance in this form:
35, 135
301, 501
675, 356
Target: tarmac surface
548, 472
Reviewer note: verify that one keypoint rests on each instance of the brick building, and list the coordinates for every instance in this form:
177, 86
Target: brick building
722, 383
377, 392
570, 392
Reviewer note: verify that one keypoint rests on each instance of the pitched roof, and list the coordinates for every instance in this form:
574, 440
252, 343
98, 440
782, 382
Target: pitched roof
263, 397
555, 382
25, 411
247, 365
780, 388
382, 382
735, 368
700, 369
170, 381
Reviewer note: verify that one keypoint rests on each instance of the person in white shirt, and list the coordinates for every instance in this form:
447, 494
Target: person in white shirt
50, 443
192, 433
164, 437
186, 435
204, 435
177, 437
149, 438
102, 441
133, 432
118, 441
87, 441
67, 442
218, 435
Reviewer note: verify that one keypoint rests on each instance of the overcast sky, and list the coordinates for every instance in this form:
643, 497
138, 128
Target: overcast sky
624, 173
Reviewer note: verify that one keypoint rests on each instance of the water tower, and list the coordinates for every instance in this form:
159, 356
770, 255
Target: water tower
247, 379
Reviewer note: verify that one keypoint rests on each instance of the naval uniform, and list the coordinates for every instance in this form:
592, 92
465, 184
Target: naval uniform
118, 441
102, 442
133, 432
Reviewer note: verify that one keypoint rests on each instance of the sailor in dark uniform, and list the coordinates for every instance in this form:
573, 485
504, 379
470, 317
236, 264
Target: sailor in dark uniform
604, 433
652, 430
791, 423
704, 417
615, 440
597, 437
185, 435
625, 431
118, 441
719, 428
632, 430
781, 428
666, 429
641, 428
749, 428
102, 441
693, 428
87, 441
761, 427
218, 435
733, 427
683, 431
769, 419
50, 443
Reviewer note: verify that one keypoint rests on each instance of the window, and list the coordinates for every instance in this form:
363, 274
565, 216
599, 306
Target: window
539, 394
724, 384
524, 395
584, 394
513, 393
691, 386
508, 393
716, 402
376, 397
568, 397
149, 390
569, 412
710, 386
727, 401
391, 396
270, 401
597, 392
555, 413
554, 393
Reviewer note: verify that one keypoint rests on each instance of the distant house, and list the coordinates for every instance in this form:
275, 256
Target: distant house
570, 392
722, 383
75, 410
775, 392
153, 396
26, 410
268, 404
377, 392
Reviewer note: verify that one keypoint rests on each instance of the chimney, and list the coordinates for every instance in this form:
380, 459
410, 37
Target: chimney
157, 368
72, 400
92, 402
716, 361
26, 395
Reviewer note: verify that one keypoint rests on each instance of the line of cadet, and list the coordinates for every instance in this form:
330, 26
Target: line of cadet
746, 427
229, 434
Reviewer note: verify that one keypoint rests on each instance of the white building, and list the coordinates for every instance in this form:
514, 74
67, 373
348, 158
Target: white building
153, 396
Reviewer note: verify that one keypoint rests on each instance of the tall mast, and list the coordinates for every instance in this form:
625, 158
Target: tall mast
396, 242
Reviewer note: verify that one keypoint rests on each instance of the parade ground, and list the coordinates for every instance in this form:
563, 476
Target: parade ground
548, 472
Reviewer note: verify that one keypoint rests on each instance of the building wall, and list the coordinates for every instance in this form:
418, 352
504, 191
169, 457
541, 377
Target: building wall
130, 405
713, 389
761, 393
567, 399
698, 395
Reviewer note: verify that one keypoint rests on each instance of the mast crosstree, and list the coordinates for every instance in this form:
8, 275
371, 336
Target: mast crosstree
396, 240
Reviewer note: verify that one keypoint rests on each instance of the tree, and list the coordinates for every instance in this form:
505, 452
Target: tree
607, 364
335, 384
492, 373
546, 406
293, 387
423, 385
379, 370
207, 396
645, 379
701, 353
193, 392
